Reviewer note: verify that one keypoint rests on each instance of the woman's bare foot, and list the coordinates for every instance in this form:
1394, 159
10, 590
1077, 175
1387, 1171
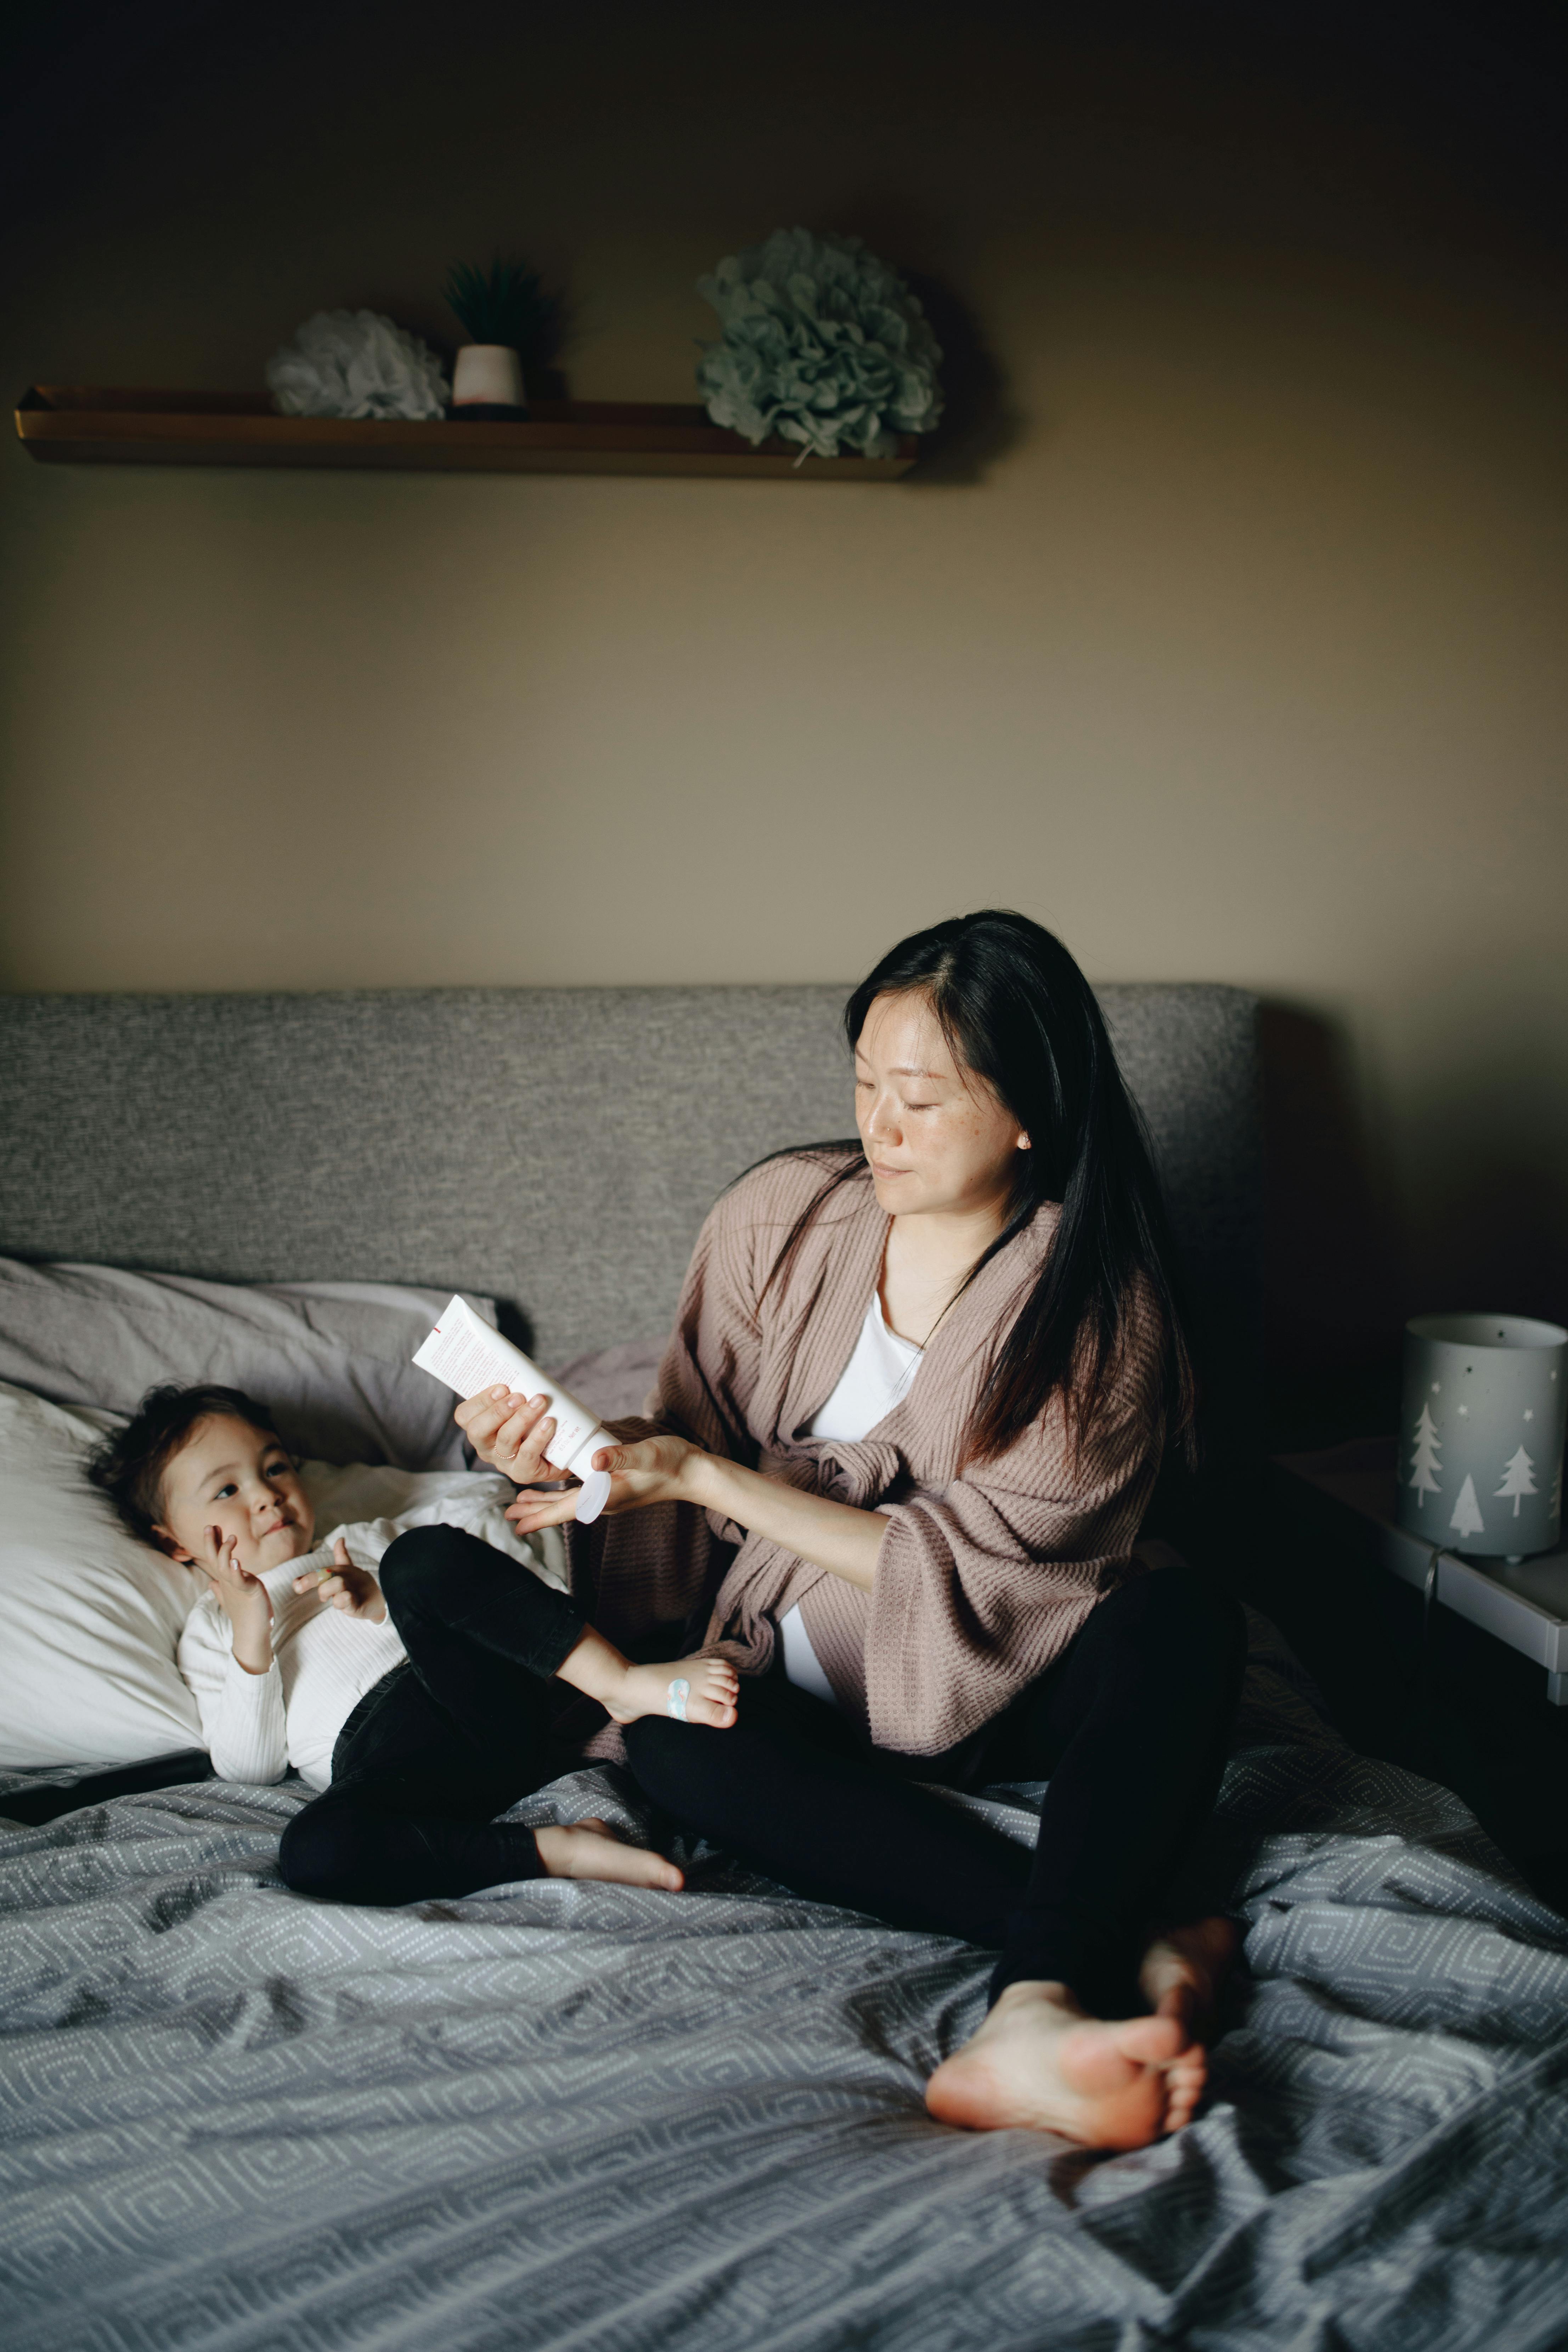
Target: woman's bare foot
1040, 2062
645, 1690
590, 1849
1180, 1976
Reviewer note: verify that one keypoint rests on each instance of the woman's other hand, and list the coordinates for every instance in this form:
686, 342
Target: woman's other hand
511, 1432
654, 1470
352, 1591
243, 1599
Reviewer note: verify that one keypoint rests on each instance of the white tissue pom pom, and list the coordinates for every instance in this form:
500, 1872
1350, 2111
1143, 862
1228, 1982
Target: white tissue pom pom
356, 363
823, 344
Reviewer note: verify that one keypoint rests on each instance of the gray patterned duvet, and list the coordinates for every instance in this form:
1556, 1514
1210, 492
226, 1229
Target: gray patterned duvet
587, 2117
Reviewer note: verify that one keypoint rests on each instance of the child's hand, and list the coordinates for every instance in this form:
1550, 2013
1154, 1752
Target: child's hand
243, 1599
352, 1590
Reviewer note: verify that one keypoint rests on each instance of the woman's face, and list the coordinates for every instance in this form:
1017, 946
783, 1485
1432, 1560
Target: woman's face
935, 1135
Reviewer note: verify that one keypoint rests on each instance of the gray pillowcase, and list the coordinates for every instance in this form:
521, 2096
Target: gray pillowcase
330, 1359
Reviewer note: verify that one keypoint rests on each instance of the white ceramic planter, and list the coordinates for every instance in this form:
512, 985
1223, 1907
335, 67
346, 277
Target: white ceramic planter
488, 375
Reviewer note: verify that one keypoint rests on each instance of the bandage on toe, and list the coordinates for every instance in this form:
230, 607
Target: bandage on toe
680, 1691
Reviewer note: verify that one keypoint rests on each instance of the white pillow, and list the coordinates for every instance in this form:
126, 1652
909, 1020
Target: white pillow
88, 1617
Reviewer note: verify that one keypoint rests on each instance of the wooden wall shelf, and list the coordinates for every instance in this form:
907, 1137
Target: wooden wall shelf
77, 424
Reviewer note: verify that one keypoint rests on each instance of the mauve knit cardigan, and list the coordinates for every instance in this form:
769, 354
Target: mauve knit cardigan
986, 1572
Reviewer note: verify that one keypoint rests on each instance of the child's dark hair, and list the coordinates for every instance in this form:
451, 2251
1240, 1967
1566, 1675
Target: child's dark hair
129, 1467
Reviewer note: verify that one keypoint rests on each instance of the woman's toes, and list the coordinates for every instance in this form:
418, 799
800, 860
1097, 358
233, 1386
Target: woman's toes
1185, 2084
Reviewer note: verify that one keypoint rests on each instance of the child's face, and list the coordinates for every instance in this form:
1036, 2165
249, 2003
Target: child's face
230, 1477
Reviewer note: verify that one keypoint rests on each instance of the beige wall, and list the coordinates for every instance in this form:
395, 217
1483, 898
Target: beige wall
1235, 653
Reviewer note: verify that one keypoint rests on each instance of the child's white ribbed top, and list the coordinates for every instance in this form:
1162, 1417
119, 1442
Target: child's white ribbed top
257, 1725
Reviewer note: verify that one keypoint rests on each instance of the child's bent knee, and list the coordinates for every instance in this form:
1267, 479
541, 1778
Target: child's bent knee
410, 1562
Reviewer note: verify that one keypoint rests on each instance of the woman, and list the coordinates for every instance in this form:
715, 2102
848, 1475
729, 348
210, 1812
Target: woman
910, 1420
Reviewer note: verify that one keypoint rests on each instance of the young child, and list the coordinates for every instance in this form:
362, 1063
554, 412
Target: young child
409, 1669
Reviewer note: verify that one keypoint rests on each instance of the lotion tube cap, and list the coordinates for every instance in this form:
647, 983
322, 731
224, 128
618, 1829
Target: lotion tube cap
595, 1493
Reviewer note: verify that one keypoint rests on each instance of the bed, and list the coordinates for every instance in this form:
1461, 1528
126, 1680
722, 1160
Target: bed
567, 2114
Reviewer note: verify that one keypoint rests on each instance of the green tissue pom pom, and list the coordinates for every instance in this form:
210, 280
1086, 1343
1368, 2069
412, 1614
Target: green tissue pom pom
822, 344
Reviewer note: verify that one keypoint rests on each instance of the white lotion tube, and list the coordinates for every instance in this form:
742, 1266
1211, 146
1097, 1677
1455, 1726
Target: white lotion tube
468, 1356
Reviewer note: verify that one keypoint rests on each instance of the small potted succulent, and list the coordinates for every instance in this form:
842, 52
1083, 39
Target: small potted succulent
508, 312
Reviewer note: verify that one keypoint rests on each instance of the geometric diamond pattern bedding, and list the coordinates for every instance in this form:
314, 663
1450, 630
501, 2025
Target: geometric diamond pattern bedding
566, 2114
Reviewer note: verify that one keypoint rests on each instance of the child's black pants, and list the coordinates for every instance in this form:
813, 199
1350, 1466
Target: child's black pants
447, 1740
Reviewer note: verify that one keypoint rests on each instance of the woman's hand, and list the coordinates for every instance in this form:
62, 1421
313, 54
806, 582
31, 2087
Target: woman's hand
243, 1599
344, 1587
669, 1469
511, 1432
654, 1470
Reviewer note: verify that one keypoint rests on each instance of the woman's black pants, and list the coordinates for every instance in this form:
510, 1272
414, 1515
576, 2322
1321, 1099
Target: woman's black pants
1130, 1728
447, 1740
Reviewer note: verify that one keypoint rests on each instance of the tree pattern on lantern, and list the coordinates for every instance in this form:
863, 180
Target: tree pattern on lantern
1517, 1479
1424, 1461
1466, 1517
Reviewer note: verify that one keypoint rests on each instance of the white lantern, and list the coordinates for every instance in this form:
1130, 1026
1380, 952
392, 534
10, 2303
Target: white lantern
1481, 1431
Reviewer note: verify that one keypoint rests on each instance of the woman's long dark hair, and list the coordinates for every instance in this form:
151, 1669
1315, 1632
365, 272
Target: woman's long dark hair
1014, 1009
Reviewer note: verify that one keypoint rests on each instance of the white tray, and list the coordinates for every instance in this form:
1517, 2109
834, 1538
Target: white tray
1525, 1606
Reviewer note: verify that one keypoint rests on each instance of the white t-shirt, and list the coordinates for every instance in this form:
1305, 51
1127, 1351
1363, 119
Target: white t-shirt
256, 1725
875, 1379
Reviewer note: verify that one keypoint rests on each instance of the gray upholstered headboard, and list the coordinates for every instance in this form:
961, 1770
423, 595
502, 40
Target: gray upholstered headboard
555, 1148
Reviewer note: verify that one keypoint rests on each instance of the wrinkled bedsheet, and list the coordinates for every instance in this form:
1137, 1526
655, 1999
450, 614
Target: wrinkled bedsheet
574, 2115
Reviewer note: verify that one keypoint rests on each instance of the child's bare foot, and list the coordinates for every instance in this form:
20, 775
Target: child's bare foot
1181, 1975
713, 1688
1040, 2061
590, 1849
